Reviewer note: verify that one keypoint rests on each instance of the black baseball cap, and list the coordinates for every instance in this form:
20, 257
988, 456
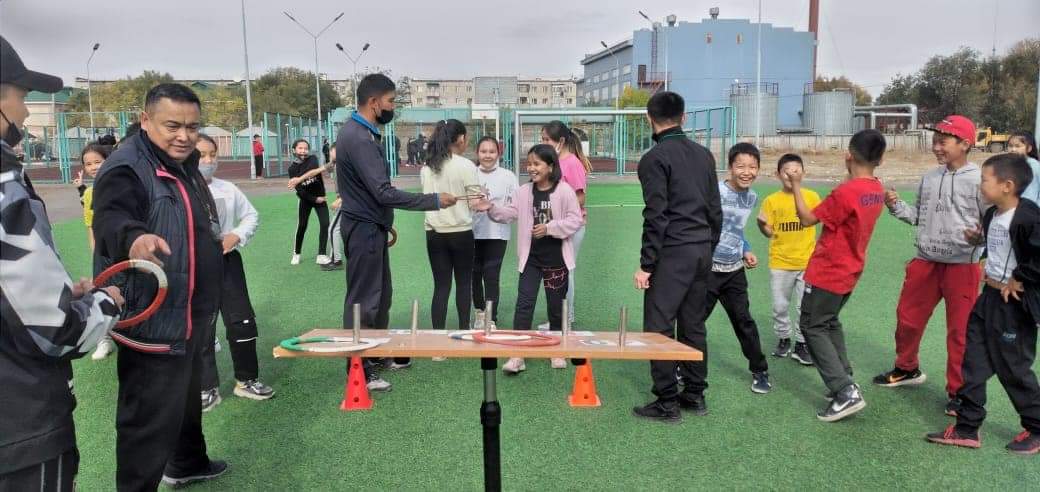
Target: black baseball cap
13, 71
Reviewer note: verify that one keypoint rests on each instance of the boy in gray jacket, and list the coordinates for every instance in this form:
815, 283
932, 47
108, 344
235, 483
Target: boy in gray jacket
946, 265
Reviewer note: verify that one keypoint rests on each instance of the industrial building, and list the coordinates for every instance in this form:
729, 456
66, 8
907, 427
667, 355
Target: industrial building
711, 62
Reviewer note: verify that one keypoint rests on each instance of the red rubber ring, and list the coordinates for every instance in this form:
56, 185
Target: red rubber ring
147, 267
536, 340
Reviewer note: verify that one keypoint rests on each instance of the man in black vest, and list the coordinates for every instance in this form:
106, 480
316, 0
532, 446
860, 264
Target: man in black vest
151, 203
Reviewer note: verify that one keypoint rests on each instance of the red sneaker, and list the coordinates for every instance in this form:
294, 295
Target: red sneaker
952, 437
1025, 443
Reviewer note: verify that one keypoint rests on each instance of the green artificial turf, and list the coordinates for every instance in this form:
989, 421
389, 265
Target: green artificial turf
426, 434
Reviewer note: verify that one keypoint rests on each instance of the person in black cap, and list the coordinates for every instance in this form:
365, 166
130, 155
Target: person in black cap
46, 320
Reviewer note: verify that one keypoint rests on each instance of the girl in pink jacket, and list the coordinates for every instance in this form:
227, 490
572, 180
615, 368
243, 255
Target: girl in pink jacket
547, 214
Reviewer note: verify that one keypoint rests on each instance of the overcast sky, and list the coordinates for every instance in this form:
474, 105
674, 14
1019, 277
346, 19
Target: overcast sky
868, 41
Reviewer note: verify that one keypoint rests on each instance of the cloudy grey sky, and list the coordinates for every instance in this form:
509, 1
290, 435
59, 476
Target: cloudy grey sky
868, 41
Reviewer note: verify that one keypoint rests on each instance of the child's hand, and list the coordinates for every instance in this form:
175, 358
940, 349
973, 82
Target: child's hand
974, 236
319, 200
337, 203
793, 175
1012, 289
79, 179
480, 205
230, 241
293, 182
891, 197
642, 279
750, 260
539, 231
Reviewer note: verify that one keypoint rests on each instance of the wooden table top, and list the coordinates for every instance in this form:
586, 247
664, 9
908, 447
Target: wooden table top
437, 343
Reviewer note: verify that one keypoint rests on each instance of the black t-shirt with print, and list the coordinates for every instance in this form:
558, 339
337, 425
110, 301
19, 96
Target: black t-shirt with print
546, 252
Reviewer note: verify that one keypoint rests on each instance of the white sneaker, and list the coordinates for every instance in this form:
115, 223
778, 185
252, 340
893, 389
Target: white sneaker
322, 260
438, 359
376, 383
104, 347
514, 365
295, 260
558, 363
478, 320
543, 327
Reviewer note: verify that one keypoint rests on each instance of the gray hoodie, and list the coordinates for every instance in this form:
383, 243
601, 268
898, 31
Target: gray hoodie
948, 203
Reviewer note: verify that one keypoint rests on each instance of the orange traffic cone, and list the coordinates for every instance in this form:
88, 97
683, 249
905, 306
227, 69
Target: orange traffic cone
584, 393
355, 395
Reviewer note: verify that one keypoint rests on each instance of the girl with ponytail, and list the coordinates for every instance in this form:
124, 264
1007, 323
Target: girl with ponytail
449, 231
575, 167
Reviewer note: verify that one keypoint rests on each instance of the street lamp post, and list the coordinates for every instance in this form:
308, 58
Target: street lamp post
90, 98
317, 74
617, 61
354, 61
249, 95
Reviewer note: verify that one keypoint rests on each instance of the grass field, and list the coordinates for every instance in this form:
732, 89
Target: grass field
425, 434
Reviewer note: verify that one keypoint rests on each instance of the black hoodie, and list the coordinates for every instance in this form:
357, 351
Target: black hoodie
312, 188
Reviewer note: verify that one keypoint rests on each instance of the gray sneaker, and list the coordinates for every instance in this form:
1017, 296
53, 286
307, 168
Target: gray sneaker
254, 390
210, 399
801, 354
376, 383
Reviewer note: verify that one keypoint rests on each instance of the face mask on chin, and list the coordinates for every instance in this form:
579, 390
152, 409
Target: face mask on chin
13, 135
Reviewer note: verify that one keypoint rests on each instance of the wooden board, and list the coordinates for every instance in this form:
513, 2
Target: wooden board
580, 345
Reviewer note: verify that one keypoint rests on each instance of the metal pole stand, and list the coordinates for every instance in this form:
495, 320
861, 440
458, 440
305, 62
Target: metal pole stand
490, 419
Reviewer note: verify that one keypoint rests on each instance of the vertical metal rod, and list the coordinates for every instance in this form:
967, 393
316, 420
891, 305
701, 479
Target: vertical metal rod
566, 321
415, 316
622, 327
490, 420
357, 323
487, 314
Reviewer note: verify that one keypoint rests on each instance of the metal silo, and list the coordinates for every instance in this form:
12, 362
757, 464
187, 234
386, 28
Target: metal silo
742, 98
828, 113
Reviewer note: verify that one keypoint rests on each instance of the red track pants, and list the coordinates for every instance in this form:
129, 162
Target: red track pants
926, 283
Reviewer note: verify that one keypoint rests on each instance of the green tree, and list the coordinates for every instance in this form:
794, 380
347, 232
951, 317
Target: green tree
120, 95
999, 92
824, 83
634, 98
290, 90
224, 106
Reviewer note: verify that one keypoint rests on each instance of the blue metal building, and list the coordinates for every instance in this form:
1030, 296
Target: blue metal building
702, 61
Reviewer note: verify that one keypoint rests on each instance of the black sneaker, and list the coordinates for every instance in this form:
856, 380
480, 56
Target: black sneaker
666, 411
760, 383
801, 354
1026, 443
952, 407
783, 348
898, 377
847, 402
693, 403
950, 436
332, 266
214, 469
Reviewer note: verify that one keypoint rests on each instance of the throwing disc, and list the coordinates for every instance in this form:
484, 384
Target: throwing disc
328, 345
144, 266
517, 338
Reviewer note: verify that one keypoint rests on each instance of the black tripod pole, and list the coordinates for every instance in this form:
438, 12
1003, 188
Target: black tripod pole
490, 419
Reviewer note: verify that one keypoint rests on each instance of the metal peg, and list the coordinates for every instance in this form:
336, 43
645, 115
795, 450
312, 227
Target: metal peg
415, 316
357, 323
487, 316
566, 321
622, 327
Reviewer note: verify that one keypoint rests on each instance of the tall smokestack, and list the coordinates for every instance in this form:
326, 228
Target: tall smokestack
814, 28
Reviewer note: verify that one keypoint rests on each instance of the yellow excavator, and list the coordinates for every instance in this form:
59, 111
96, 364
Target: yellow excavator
991, 142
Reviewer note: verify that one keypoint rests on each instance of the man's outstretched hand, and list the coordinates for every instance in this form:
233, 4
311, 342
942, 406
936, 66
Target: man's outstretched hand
146, 247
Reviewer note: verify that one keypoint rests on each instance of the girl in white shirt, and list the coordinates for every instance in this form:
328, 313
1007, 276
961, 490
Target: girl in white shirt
449, 231
491, 238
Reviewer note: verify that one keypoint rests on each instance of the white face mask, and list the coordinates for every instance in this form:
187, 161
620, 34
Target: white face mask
208, 170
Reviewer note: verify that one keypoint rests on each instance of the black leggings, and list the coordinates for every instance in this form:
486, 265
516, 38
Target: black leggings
304, 217
554, 281
487, 266
450, 253
258, 164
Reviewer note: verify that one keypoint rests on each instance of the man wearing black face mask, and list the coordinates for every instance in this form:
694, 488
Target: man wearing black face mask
363, 174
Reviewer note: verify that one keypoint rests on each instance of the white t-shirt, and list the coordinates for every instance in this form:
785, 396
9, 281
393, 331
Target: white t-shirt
500, 184
1001, 258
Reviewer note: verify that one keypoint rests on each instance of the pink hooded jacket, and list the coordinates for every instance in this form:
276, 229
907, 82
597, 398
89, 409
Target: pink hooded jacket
566, 219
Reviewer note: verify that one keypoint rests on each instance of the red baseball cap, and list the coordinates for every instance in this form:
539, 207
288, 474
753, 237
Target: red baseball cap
958, 126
